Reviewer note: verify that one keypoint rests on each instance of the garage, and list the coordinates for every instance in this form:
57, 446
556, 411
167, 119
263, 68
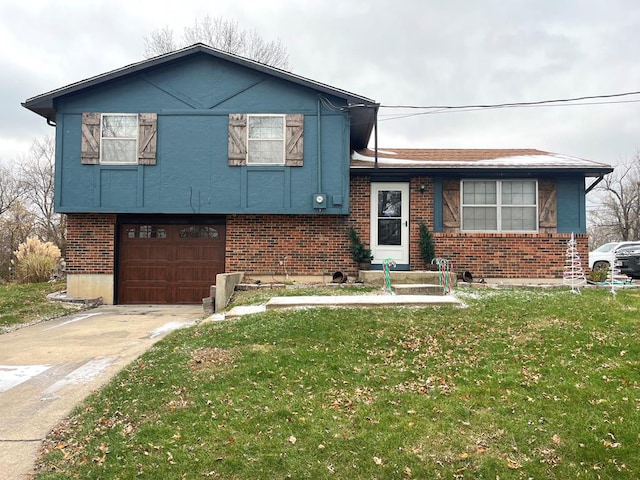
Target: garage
168, 263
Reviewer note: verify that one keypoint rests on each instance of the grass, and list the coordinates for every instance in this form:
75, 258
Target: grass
519, 384
27, 303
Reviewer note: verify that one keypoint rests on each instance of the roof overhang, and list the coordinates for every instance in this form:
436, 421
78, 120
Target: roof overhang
472, 162
362, 109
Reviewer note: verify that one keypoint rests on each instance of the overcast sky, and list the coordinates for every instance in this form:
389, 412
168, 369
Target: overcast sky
400, 52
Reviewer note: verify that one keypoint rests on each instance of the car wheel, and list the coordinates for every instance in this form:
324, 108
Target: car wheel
602, 264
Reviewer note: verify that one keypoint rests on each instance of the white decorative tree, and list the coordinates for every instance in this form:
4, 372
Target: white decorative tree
573, 274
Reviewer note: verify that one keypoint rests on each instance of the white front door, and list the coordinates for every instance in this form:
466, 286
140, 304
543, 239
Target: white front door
390, 222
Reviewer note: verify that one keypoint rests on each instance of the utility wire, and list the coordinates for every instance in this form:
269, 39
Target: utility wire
395, 116
514, 104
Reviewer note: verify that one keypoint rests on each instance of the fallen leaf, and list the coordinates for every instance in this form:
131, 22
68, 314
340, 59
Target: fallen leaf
513, 464
292, 440
556, 439
377, 460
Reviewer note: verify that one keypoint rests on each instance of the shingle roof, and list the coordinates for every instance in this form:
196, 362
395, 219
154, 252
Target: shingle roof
473, 159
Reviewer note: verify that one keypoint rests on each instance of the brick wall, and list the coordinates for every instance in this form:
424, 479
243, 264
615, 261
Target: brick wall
509, 255
312, 244
421, 211
90, 243
305, 244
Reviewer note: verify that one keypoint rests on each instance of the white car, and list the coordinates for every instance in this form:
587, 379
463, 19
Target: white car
604, 255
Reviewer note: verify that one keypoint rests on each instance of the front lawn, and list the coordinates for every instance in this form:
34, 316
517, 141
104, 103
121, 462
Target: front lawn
539, 384
27, 303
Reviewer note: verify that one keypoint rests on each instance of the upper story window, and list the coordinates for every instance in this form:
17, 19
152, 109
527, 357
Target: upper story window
265, 140
119, 137
499, 205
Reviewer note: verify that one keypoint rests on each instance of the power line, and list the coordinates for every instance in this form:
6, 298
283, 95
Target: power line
476, 109
514, 104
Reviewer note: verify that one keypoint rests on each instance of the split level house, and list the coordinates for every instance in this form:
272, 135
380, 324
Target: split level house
198, 162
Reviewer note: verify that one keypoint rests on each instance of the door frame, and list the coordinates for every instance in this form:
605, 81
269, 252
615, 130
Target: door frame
400, 253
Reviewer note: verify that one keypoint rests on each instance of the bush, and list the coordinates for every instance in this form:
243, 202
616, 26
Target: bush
35, 260
598, 275
427, 246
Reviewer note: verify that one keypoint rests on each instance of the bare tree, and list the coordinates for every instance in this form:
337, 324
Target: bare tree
10, 189
158, 42
223, 34
37, 177
16, 225
618, 214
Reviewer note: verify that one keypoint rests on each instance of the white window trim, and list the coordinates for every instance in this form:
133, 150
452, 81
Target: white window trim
498, 204
112, 114
283, 140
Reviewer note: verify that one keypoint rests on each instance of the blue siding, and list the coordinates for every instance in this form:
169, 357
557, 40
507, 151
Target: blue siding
193, 98
437, 205
571, 205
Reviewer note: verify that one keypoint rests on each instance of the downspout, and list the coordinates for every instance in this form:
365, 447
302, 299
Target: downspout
375, 140
319, 147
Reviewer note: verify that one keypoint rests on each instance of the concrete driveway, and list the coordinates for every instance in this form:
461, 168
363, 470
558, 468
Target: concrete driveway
47, 369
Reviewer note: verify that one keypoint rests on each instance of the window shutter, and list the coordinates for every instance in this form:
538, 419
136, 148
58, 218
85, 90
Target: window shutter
294, 140
147, 138
547, 209
90, 149
237, 139
451, 205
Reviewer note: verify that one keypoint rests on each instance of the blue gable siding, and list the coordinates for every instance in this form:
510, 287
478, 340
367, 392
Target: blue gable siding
571, 205
193, 98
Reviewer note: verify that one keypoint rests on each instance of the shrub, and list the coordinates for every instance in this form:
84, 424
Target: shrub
359, 251
427, 246
598, 275
35, 260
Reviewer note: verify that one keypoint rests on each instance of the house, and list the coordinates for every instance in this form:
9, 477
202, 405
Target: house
198, 162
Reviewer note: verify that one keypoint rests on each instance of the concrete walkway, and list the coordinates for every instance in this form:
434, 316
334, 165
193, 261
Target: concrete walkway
362, 301
49, 368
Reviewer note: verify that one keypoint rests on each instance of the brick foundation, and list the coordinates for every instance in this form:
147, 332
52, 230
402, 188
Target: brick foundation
90, 243
509, 255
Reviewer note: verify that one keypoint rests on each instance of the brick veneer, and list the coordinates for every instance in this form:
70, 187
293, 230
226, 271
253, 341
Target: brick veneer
305, 244
510, 255
317, 243
90, 243
312, 244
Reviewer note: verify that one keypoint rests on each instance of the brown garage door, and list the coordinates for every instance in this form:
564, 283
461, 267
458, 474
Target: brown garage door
171, 264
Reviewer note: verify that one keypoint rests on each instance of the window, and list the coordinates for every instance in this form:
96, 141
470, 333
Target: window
146, 231
499, 205
195, 231
265, 140
119, 137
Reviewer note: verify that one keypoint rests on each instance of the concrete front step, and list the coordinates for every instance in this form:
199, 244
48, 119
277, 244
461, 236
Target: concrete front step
415, 277
355, 301
417, 289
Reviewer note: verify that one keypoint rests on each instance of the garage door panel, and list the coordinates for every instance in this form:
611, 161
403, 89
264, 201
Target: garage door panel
137, 252
197, 274
145, 294
146, 273
169, 263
